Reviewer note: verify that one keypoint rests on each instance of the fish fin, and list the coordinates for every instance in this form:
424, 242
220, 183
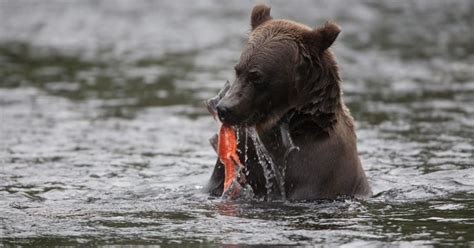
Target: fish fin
236, 160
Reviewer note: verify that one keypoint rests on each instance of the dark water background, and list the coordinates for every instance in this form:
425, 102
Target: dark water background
104, 136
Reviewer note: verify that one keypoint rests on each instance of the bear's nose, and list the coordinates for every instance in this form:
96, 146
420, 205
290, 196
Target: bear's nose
223, 112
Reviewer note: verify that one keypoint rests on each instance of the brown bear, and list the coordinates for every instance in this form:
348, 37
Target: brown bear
288, 86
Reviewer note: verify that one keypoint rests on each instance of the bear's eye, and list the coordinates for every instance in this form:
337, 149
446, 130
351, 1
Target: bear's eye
254, 77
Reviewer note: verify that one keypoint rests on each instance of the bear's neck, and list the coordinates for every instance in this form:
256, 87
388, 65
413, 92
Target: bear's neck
319, 110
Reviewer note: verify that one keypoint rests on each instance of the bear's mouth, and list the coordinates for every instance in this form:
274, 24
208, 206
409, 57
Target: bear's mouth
241, 120
271, 119
261, 121
253, 119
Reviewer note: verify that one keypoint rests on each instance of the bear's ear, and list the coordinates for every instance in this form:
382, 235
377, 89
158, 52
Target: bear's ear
260, 14
322, 37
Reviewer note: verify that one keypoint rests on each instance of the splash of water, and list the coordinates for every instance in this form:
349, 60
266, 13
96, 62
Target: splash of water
270, 170
289, 145
246, 148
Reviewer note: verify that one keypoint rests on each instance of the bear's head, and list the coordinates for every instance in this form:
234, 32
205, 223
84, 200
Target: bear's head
284, 65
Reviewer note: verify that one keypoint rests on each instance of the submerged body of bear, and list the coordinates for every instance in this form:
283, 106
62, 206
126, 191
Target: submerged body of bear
288, 86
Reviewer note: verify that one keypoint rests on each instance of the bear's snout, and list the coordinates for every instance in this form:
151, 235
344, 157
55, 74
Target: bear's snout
224, 113
236, 106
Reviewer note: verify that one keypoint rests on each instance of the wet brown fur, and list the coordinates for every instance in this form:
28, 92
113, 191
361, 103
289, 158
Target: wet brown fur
327, 164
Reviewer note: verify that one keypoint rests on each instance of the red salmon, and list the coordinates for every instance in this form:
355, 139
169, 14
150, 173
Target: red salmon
227, 150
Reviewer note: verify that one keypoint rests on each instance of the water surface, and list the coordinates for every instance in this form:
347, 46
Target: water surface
104, 135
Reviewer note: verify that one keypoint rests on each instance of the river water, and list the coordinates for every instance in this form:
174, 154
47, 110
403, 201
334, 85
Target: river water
104, 134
